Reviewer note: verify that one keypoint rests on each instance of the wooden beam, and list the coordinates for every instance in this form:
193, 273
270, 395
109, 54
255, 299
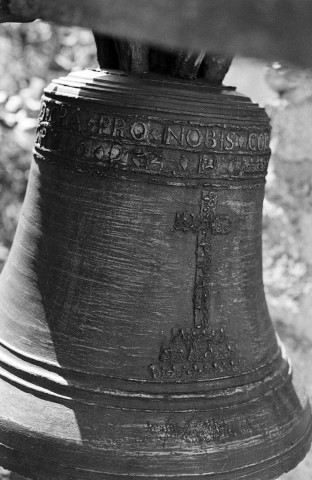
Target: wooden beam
267, 29
7, 16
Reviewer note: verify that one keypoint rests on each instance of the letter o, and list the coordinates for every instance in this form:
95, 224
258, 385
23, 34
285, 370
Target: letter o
116, 152
194, 138
252, 141
139, 131
261, 142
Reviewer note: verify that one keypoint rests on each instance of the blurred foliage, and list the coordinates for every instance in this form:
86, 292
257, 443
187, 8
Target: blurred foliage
31, 55
283, 265
286, 273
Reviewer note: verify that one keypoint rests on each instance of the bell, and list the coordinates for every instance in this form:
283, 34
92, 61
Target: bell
135, 336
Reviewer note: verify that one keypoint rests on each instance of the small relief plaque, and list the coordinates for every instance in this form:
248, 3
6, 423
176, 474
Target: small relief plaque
206, 164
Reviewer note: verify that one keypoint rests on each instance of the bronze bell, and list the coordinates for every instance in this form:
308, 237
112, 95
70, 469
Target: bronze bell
135, 336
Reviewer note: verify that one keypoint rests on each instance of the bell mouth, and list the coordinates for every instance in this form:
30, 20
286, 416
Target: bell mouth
251, 450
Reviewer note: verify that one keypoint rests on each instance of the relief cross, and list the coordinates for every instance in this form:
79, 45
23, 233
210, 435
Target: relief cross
205, 225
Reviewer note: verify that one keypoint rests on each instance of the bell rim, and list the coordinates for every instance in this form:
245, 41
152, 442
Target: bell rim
272, 468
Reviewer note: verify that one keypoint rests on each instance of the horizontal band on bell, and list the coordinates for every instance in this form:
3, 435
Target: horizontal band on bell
68, 385
220, 135
136, 174
105, 140
154, 93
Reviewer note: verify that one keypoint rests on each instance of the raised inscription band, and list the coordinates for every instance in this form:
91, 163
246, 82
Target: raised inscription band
99, 142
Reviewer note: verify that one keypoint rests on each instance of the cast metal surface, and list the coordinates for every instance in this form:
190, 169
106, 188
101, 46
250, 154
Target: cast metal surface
135, 336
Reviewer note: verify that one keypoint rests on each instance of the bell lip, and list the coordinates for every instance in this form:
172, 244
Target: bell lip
270, 468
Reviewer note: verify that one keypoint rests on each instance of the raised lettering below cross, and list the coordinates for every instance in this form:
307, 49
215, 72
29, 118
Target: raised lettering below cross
205, 225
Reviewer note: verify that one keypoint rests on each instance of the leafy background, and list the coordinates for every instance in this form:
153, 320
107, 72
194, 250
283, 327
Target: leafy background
31, 55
